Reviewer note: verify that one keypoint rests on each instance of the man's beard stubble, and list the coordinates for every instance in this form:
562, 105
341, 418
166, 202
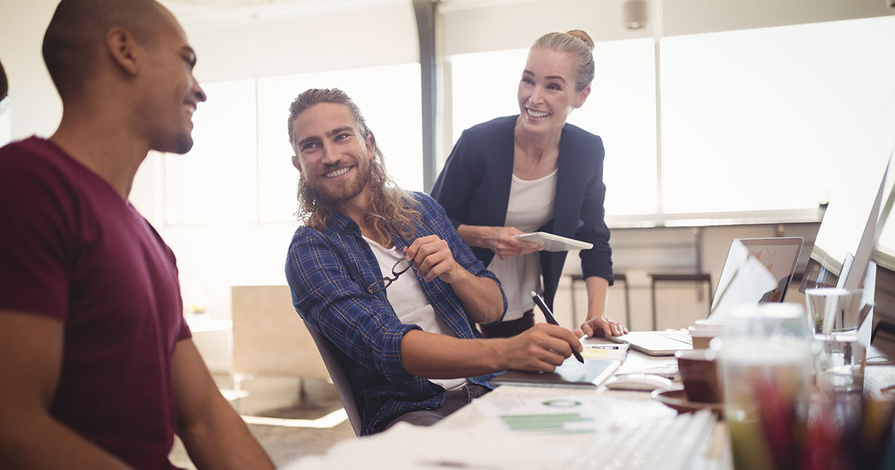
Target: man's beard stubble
331, 197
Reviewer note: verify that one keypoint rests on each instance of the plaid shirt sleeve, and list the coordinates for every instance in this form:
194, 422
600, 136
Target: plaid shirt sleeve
324, 293
442, 226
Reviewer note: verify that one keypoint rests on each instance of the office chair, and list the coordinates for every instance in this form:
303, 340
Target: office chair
330, 355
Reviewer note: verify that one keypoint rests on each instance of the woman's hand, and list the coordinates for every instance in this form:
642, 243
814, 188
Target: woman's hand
603, 326
500, 240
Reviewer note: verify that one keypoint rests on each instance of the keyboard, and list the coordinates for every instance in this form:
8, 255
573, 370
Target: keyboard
677, 335
664, 444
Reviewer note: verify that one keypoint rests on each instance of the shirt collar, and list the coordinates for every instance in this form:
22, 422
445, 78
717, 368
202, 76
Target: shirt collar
341, 224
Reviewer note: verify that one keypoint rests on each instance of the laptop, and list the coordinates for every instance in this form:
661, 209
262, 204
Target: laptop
756, 270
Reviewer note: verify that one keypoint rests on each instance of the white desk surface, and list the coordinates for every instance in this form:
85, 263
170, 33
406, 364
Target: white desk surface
473, 434
470, 439
641, 405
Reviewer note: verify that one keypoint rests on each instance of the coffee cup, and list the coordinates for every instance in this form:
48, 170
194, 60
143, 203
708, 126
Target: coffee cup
699, 373
703, 331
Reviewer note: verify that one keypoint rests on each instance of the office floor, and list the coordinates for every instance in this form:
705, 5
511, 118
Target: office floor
283, 399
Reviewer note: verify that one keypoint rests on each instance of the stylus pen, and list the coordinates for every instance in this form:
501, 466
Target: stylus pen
551, 319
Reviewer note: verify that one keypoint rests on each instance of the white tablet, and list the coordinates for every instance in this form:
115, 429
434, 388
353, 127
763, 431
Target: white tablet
552, 242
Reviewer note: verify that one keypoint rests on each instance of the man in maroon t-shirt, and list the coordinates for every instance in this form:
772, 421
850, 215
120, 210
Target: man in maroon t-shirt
98, 366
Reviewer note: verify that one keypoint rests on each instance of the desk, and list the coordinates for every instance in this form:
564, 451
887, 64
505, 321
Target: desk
470, 436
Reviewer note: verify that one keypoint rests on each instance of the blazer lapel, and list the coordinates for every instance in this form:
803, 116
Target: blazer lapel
570, 182
501, 175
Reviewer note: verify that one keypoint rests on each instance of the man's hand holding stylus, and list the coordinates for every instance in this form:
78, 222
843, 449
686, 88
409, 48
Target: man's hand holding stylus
540, 348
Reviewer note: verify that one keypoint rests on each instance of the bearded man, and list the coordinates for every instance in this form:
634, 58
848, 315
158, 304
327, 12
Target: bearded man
382, 274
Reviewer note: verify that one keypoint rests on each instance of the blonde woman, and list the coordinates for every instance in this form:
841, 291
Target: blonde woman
534, 172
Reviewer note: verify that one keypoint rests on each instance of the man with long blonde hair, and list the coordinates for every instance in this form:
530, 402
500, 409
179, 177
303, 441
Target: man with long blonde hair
383, 275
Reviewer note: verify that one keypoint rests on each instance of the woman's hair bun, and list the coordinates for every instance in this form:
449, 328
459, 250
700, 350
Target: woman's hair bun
582, 36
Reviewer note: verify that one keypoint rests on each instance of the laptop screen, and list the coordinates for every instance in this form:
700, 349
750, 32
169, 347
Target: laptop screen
757, 270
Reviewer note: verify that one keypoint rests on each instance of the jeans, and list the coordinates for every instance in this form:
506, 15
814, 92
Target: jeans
453, 401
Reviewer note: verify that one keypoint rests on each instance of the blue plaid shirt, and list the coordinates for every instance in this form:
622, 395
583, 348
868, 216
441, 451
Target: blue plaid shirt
328, 273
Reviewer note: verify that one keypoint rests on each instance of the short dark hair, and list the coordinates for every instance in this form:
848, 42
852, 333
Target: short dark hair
78, 28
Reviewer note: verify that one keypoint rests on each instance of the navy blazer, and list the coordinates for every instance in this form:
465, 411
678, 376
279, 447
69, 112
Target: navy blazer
474, 189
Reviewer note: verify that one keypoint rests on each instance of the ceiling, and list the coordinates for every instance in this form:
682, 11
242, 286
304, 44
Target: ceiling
212, 11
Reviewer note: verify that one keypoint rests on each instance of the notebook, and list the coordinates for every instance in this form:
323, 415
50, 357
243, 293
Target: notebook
570, 374
743, 280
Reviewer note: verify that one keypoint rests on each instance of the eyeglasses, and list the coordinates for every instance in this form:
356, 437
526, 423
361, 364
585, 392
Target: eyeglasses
398, 269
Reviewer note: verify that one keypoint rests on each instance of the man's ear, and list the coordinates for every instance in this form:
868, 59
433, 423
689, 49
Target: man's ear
296, 163
582, 97
371, 144
123, 50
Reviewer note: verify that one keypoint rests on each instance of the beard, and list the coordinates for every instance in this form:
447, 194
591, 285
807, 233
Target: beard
328, 195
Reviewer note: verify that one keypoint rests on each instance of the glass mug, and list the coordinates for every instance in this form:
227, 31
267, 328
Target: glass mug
835, 315
766, 365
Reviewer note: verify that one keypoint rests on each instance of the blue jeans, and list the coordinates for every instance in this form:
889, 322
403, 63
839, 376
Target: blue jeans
453, 401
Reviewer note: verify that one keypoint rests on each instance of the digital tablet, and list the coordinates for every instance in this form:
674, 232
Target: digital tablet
570, 374
552, 242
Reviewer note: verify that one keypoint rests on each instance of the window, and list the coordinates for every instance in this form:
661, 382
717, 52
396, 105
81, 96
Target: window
752, 120
216, 181
761, 119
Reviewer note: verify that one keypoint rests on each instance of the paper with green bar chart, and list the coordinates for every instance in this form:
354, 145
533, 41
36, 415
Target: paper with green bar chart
557, 414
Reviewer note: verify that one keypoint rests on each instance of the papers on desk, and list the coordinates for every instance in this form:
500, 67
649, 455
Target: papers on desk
558, 414
411, 447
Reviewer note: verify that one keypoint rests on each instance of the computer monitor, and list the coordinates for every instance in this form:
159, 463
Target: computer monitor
851, 225
850, 229
883, 321
847, 237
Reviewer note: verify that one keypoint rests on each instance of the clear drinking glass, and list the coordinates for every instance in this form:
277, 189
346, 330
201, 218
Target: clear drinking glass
835, 315
766, 364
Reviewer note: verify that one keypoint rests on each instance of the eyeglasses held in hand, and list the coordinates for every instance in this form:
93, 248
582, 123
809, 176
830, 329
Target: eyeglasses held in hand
398, 269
